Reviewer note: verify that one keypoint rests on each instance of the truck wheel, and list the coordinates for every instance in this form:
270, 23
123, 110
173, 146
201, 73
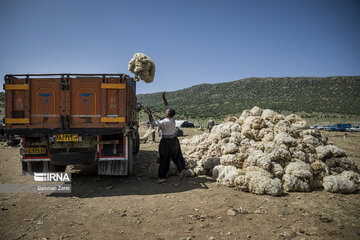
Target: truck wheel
136, 143
130, 156
57, 168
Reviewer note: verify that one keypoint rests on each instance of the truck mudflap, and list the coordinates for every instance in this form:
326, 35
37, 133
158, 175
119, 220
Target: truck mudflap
116, 159
38, 158
35, 159
30, 167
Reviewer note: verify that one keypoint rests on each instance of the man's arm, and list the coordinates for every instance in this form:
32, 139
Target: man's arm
164, 100
151, 119
148, 111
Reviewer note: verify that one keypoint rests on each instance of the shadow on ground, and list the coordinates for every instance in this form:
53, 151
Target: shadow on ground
87, 184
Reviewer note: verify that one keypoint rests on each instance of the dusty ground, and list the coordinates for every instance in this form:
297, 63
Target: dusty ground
196, 208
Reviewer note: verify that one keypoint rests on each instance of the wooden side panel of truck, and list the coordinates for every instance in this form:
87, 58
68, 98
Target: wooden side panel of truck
68, 119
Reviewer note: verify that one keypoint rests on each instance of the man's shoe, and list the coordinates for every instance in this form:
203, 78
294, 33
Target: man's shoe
183, 174
161, 180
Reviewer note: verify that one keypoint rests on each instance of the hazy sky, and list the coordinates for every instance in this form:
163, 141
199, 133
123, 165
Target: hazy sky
191, 42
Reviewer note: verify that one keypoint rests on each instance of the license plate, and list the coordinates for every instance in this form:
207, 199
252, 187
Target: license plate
66, 138
29, 151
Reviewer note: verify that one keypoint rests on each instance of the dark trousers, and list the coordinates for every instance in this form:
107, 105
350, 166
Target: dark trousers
170, 149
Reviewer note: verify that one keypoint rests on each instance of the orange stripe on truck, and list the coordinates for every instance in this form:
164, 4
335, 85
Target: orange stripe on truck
16, 86
113, 85
112, 119
17, 120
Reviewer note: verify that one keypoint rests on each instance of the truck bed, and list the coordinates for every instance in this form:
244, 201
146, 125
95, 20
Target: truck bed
91, 104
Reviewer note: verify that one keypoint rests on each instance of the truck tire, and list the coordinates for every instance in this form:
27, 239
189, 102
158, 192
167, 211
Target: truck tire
130, 156
57, 168
136, 143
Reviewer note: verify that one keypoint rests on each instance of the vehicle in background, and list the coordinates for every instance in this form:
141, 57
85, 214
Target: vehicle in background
338, 127
67, 119
322, 127
184, 123
187, 124
313, 127
353, 129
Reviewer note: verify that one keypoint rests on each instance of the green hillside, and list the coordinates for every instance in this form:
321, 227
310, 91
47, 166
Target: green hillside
340, 95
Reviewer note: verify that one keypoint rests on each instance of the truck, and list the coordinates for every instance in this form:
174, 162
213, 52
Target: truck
67, 119
338, 127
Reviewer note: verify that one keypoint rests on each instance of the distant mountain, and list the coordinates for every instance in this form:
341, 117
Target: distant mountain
294, 94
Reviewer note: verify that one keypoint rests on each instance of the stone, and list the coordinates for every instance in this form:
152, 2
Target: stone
231, 212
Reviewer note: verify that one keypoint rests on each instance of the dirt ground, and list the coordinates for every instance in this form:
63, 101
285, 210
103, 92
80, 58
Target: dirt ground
136, 207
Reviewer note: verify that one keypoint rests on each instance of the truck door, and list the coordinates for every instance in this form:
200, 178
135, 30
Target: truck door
85, 102
46, 102
97, 102
115, 104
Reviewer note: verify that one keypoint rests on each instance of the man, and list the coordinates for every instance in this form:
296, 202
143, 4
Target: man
211, 124
169, 148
